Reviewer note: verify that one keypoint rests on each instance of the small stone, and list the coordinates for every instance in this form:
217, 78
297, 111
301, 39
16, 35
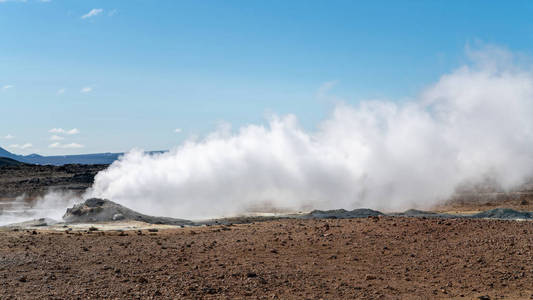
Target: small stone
370, 277
143, 280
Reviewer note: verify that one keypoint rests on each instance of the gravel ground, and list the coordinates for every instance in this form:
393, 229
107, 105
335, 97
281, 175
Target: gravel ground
372, 258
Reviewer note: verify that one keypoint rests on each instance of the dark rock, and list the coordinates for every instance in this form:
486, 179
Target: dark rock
142, 280
102, 210
370, 277
342, 214
504, 213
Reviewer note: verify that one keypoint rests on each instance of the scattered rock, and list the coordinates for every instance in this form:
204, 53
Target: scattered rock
370, 277
142, 280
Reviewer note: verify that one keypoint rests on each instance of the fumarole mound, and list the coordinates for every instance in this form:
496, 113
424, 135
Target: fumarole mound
103, 210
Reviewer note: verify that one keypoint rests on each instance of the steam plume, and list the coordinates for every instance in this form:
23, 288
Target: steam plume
473, 123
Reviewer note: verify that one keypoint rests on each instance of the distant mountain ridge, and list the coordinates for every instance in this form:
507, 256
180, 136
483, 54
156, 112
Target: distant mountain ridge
58, 160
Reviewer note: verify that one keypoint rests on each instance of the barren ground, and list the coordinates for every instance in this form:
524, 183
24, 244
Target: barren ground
370, 258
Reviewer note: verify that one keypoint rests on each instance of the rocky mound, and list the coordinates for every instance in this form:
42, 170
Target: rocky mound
342, 214
415, 213
103, 210
504, 213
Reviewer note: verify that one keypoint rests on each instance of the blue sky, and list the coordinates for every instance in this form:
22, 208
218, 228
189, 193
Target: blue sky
126, 74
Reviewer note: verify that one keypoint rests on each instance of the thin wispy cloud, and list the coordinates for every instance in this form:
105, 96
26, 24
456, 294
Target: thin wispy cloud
93, 13
9, 137
7, 87
21, 146
63, 131
325, 87
86, 90
177, 130
112, 13
66, 146
56, 138
61, 91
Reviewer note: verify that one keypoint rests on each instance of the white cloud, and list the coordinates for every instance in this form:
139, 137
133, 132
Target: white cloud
73, 145
93, 13
9, 137
325, 88
73, 131
7, 87
63, 131
177, 130
66, 146
61, 91
57, 130
56, 138
86, 89
21, 146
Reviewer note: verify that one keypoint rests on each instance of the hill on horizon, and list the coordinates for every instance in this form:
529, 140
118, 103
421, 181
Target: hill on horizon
4, 161
58, 160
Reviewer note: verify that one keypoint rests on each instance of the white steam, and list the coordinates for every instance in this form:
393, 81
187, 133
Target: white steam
52, 205
473, 123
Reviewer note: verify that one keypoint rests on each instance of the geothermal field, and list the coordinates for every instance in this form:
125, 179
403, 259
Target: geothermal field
478, 245
320, 150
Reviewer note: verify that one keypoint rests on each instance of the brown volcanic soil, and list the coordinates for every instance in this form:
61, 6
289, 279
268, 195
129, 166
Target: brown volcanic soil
388, 258
35, 180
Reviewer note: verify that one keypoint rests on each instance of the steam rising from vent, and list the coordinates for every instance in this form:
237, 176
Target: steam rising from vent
472, 124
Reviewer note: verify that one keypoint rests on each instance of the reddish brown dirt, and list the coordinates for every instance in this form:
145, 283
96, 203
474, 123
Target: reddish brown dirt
389, 258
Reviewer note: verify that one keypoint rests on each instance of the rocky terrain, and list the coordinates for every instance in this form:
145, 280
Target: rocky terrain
36, 180
369, 258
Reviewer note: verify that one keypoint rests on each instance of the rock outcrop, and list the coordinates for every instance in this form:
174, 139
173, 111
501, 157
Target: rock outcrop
103, 210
